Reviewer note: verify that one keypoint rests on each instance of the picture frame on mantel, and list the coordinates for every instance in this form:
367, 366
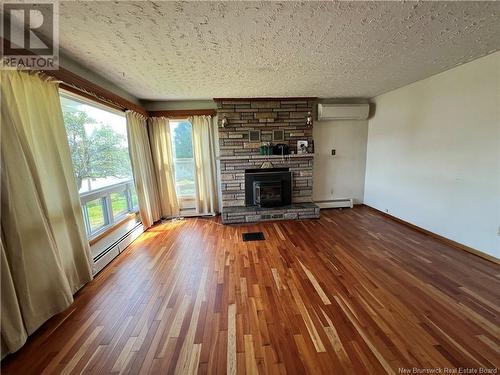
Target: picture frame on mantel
254, 135
278, 135
302, 147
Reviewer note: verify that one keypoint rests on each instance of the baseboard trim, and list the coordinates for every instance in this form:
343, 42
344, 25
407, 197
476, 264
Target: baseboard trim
449, 242
335, 203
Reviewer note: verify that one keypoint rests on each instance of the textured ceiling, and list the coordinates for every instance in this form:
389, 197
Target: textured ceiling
200, 50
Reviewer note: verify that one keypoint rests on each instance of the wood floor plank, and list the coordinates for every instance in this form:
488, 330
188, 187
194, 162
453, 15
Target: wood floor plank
351, 293
231, 340
316, 285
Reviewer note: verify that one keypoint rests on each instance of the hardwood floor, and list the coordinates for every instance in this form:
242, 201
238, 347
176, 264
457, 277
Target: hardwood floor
351, 293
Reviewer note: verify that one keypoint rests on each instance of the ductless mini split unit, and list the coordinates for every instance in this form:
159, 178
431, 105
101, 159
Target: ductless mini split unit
343, 111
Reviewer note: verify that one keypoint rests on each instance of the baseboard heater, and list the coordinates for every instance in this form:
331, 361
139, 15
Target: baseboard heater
114, 249
336, 203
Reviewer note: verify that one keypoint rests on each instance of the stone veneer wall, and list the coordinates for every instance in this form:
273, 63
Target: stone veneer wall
237, 153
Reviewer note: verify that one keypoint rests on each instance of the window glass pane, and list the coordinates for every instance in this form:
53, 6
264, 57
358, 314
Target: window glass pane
98, 143
182, 142
119, 204
135, 201
97, 138
182, 136
184, 177
96, 215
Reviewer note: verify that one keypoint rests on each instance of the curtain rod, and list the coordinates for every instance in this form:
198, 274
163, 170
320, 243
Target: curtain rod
91, 96
180, 113
73, 82
78, 85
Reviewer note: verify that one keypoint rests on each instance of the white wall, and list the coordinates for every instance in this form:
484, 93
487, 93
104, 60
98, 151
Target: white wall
343, 175
433, 154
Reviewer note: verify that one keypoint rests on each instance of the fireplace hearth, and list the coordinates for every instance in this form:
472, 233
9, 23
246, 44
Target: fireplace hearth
268, 187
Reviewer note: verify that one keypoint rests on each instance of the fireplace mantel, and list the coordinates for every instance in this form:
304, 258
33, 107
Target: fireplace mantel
267, 157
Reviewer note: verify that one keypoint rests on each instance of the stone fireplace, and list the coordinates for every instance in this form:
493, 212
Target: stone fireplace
250, 192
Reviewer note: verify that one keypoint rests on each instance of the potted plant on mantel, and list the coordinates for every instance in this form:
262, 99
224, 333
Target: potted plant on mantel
266, 148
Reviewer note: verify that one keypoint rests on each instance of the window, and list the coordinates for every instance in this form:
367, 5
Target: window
97, 138
182, 143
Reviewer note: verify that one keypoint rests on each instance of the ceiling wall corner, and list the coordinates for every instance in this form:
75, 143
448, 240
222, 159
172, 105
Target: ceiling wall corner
75, 67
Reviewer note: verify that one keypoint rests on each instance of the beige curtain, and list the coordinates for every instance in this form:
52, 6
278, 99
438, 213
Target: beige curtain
143, 169
45, 253
204, 150
161, 148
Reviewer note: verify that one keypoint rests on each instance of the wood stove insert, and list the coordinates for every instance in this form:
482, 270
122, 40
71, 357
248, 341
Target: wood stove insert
268, 187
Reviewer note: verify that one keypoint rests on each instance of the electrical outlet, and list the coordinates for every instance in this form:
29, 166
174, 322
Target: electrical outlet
498, 233
331, 193
334, 152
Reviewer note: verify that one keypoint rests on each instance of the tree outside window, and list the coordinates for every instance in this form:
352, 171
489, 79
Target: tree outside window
98, 147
